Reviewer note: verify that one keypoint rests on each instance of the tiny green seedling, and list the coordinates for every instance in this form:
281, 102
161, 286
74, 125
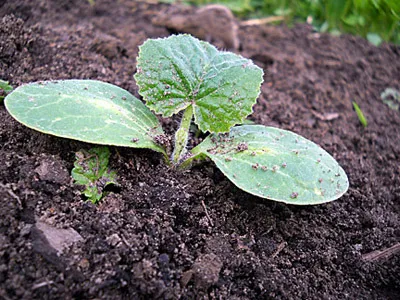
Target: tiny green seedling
5, 88
216, 90
360, 114
91, 170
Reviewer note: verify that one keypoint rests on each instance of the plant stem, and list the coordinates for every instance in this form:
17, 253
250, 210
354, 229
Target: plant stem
190, 160
181, 135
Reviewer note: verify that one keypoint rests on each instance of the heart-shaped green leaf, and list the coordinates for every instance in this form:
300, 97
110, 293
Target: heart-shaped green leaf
85, 110
179, 71
276, 164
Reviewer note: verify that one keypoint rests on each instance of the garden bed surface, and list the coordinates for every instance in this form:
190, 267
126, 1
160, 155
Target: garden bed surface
151, 237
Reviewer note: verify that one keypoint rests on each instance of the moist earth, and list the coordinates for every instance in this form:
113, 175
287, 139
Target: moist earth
168, 234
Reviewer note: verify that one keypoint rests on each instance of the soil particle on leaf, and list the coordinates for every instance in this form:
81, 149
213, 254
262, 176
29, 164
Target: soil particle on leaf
151, 238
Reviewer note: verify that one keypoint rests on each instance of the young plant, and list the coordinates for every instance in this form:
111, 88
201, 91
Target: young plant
5, 89
91, 170
215, 90
360, 114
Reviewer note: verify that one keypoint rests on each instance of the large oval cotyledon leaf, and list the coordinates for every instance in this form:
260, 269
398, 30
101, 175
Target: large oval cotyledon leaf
85, 110
276, 164
178, 71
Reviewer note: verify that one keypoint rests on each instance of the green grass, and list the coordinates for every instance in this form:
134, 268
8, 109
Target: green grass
376, 20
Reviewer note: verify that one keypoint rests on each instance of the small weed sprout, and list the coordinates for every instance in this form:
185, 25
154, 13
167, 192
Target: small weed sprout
5, 88
360, 114
216, 90
91, 170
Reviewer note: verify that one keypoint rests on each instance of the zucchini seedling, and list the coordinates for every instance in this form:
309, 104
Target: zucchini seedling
214, 89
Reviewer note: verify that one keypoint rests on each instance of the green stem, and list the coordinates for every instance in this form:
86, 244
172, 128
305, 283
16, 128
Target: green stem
191, 160
181, 135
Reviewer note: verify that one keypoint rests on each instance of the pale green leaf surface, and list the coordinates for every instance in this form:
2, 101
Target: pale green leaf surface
179, 71
277, 164
86, 110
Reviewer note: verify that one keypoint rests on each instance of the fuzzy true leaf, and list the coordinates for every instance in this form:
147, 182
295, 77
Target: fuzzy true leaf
179, 71
91, 170
276, 164
85, 110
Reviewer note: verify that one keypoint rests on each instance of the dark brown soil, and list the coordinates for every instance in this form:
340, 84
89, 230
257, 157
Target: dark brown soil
151, 238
